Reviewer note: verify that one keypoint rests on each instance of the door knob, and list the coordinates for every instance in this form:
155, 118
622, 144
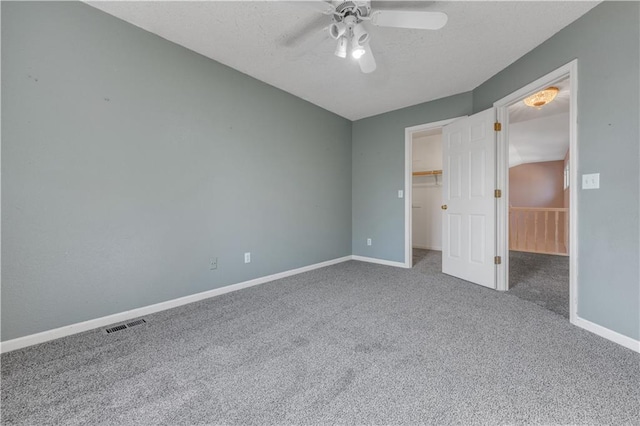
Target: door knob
443, 207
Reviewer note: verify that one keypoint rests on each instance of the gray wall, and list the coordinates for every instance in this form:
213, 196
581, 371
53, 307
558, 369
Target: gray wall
606, 42
128, 161
378, 174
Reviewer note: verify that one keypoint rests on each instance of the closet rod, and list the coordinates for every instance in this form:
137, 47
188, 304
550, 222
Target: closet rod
428, 173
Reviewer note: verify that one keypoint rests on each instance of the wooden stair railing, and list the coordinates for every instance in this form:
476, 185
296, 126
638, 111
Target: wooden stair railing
539, 230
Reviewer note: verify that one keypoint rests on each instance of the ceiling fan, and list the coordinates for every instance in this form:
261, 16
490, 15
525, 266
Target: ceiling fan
350, 21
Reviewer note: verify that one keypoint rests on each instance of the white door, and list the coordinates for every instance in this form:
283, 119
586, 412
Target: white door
468, 225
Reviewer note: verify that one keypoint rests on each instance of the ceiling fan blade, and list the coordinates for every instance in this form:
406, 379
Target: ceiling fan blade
304, 33
367, 61
399, 4
409, 19
319, 5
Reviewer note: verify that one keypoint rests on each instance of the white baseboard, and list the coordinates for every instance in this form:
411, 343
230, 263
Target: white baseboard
56, 333
601, 331
380, 261
45, 336
428, 248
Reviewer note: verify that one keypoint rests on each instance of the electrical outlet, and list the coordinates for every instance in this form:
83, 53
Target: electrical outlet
213, 264
247, 257
368, 241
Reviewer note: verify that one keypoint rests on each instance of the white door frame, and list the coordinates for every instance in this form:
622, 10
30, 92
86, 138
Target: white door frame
502, 229
408, 183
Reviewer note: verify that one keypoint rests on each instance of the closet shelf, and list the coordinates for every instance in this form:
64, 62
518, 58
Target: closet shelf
428, 173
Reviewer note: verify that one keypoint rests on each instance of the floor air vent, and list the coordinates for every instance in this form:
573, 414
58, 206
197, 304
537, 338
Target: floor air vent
125, 326
136, 322
116, 328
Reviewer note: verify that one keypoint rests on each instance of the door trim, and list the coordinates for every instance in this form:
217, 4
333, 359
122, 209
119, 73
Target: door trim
408, 180
569, 70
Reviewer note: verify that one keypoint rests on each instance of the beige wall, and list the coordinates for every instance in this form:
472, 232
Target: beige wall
427, 194
537, 184
427, 153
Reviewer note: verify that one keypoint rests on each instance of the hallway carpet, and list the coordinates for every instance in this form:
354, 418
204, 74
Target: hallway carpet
419, 255
542, 279
353, 343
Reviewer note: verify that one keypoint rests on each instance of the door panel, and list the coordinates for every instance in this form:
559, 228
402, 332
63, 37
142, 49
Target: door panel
476, 238
477, 174
454, 240
455, 169
468, 183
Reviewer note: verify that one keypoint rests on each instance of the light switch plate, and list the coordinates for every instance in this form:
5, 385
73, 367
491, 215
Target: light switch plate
400, 193
591, 181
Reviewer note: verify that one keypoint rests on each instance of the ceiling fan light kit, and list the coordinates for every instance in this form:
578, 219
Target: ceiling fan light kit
347, 26
360, 34
341, 48
367, 61
357, 52
542, 98
337, 30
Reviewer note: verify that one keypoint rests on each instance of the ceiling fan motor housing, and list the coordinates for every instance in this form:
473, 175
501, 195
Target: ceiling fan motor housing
351, 8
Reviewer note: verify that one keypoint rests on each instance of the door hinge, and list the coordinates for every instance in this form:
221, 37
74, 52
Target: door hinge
497, 193
497, 126
497, 260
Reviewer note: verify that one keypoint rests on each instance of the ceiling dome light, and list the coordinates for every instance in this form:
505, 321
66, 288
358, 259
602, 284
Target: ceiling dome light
341, 48
543, 97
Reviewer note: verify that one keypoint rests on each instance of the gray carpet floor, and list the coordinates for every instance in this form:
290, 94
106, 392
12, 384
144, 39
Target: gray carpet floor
353, 343
542, 279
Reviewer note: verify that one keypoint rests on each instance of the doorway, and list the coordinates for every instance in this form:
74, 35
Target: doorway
423, 190
537, 214
426, 193
539, 199
496, 223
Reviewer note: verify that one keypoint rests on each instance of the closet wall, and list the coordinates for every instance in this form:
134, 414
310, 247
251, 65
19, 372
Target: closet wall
427, 192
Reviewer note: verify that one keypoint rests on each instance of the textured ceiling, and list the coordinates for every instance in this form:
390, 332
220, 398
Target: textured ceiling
541, 139
414, 66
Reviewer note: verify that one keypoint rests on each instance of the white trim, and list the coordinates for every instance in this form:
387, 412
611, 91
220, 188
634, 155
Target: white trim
56, 333
608, 334
569, 70
380, 261
45, 336
408, 181
0, 191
